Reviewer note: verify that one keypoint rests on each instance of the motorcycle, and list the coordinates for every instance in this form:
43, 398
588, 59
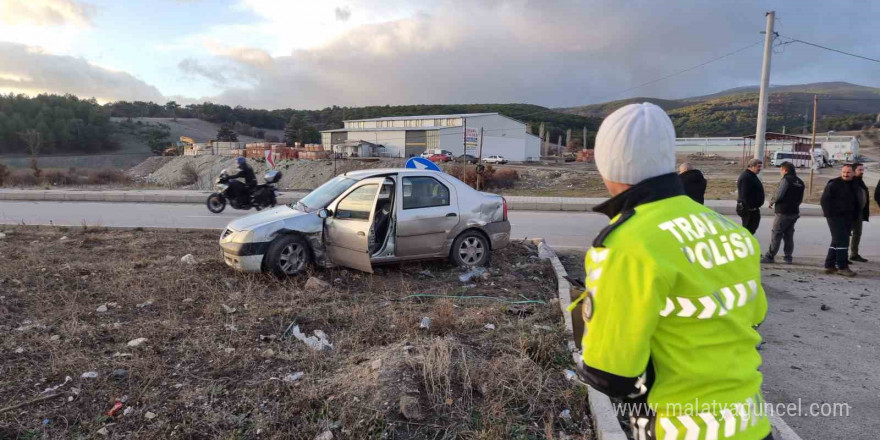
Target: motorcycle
239, 196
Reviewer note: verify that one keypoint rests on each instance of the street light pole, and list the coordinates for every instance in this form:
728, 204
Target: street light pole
813, 142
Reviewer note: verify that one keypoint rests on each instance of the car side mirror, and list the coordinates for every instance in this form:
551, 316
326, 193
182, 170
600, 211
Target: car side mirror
325, 213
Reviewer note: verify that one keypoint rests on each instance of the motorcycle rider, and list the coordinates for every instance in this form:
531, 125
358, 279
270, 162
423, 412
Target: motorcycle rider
250, 179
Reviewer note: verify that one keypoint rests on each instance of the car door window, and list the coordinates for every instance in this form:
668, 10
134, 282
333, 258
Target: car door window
424, 192
358, 204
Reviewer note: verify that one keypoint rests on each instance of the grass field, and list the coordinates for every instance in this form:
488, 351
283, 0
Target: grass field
218, 355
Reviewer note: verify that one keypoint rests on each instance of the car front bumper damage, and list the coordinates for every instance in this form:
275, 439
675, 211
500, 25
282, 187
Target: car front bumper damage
245, 257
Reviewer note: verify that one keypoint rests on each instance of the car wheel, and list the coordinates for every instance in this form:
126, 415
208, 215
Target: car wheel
470, 249
288, 255
216, 203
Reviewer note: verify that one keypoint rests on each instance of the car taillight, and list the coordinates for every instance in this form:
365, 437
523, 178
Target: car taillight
504, 202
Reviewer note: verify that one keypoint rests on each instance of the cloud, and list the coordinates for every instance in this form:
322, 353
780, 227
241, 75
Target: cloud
46, 12
342, 13
192, 67
30, 71
555, 53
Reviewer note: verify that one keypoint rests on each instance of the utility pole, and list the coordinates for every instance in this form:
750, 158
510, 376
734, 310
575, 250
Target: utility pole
584, 145
813, 142
478, 176
765, 83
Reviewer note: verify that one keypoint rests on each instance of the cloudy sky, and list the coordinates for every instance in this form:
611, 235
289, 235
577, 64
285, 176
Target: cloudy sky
311, 54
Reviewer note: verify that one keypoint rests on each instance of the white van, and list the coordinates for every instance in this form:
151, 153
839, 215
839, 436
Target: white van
800, 159
428, 153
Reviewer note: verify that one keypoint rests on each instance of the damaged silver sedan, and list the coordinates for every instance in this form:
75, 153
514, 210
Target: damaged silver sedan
368, 217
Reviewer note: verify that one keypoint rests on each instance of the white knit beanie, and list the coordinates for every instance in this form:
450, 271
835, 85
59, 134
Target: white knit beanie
635, 143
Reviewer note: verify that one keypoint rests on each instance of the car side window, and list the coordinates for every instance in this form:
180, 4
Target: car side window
358, 204
424, 192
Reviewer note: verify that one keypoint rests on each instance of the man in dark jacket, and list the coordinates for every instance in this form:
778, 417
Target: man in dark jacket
788, 199
839, 206
694, 182
245, 172
863, 202
750, 196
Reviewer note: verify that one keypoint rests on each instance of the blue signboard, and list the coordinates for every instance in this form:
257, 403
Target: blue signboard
420, 163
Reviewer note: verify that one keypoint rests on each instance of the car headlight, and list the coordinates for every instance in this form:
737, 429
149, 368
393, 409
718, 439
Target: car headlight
243, 237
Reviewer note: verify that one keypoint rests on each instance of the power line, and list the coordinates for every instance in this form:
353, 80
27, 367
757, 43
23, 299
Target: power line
795, 40
684, 71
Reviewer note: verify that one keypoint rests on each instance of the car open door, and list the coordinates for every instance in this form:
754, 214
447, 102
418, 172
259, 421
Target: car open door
347, 229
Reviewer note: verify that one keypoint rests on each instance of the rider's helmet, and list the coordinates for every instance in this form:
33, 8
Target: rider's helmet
241, 161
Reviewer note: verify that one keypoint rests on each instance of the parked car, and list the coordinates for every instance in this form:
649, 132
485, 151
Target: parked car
495, 159
440, 158
467, 158
368, 217
428, 153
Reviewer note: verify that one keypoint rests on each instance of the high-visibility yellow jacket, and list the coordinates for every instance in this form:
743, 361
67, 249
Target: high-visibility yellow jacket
672, 302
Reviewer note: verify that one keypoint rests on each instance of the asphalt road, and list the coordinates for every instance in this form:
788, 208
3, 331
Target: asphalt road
561, 230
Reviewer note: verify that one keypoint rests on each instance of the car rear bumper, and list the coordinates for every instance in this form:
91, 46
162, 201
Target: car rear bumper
499, 234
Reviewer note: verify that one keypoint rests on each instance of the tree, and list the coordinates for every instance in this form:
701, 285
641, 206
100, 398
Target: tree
172, 107
293, 130
156, 138
225, 134
34, 140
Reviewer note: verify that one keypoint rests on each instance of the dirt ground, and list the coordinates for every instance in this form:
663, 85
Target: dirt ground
820, 345
218, 359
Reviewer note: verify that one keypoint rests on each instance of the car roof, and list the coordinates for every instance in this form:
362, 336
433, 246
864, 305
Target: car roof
363, 174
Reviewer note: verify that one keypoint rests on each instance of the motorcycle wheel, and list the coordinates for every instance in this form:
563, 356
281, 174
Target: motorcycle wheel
216, 203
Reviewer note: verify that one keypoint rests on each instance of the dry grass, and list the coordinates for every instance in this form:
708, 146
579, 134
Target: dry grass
206, 373
61, 177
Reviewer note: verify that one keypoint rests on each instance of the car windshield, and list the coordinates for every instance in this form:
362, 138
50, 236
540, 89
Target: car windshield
324, 194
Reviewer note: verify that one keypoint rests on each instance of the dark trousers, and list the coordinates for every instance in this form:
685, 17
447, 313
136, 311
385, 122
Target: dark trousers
783, 230
837, 253
856, 237
750, 219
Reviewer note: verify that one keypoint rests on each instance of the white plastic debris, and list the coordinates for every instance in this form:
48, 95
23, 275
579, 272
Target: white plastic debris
188, 259
489, 326
128, 410
293, 377
565, 414
64, 238
66, 380
103, 431
426, 323
150, 415
318, 342
570, 375
476, 272
102, 308
146, 303
136, 342
89, 375
19, 350
228, 310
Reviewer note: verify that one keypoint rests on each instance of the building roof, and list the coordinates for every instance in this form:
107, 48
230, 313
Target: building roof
337, 130
403, 118
770, 136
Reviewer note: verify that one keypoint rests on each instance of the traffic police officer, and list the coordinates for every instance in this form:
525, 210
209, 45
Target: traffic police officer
673, 295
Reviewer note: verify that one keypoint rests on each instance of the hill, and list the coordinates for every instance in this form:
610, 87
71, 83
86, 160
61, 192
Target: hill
842, 106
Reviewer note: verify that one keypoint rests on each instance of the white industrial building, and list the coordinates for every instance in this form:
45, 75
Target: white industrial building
407, 136
839, 148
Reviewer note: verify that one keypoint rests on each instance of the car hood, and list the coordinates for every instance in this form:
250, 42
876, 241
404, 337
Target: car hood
265, 217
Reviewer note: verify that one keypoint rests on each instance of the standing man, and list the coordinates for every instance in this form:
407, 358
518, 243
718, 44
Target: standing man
673, 291
694, 182
788, 200
750, 196
840, 208
864, 208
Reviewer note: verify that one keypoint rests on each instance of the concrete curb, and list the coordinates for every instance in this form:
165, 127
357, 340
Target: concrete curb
605, 422
12, 226
514, 203
604, 418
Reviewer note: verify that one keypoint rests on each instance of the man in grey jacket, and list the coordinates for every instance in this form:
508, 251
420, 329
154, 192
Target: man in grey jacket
863, 200
788, 200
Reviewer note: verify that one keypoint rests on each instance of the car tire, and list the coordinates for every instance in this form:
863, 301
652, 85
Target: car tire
288, 255
470, 249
